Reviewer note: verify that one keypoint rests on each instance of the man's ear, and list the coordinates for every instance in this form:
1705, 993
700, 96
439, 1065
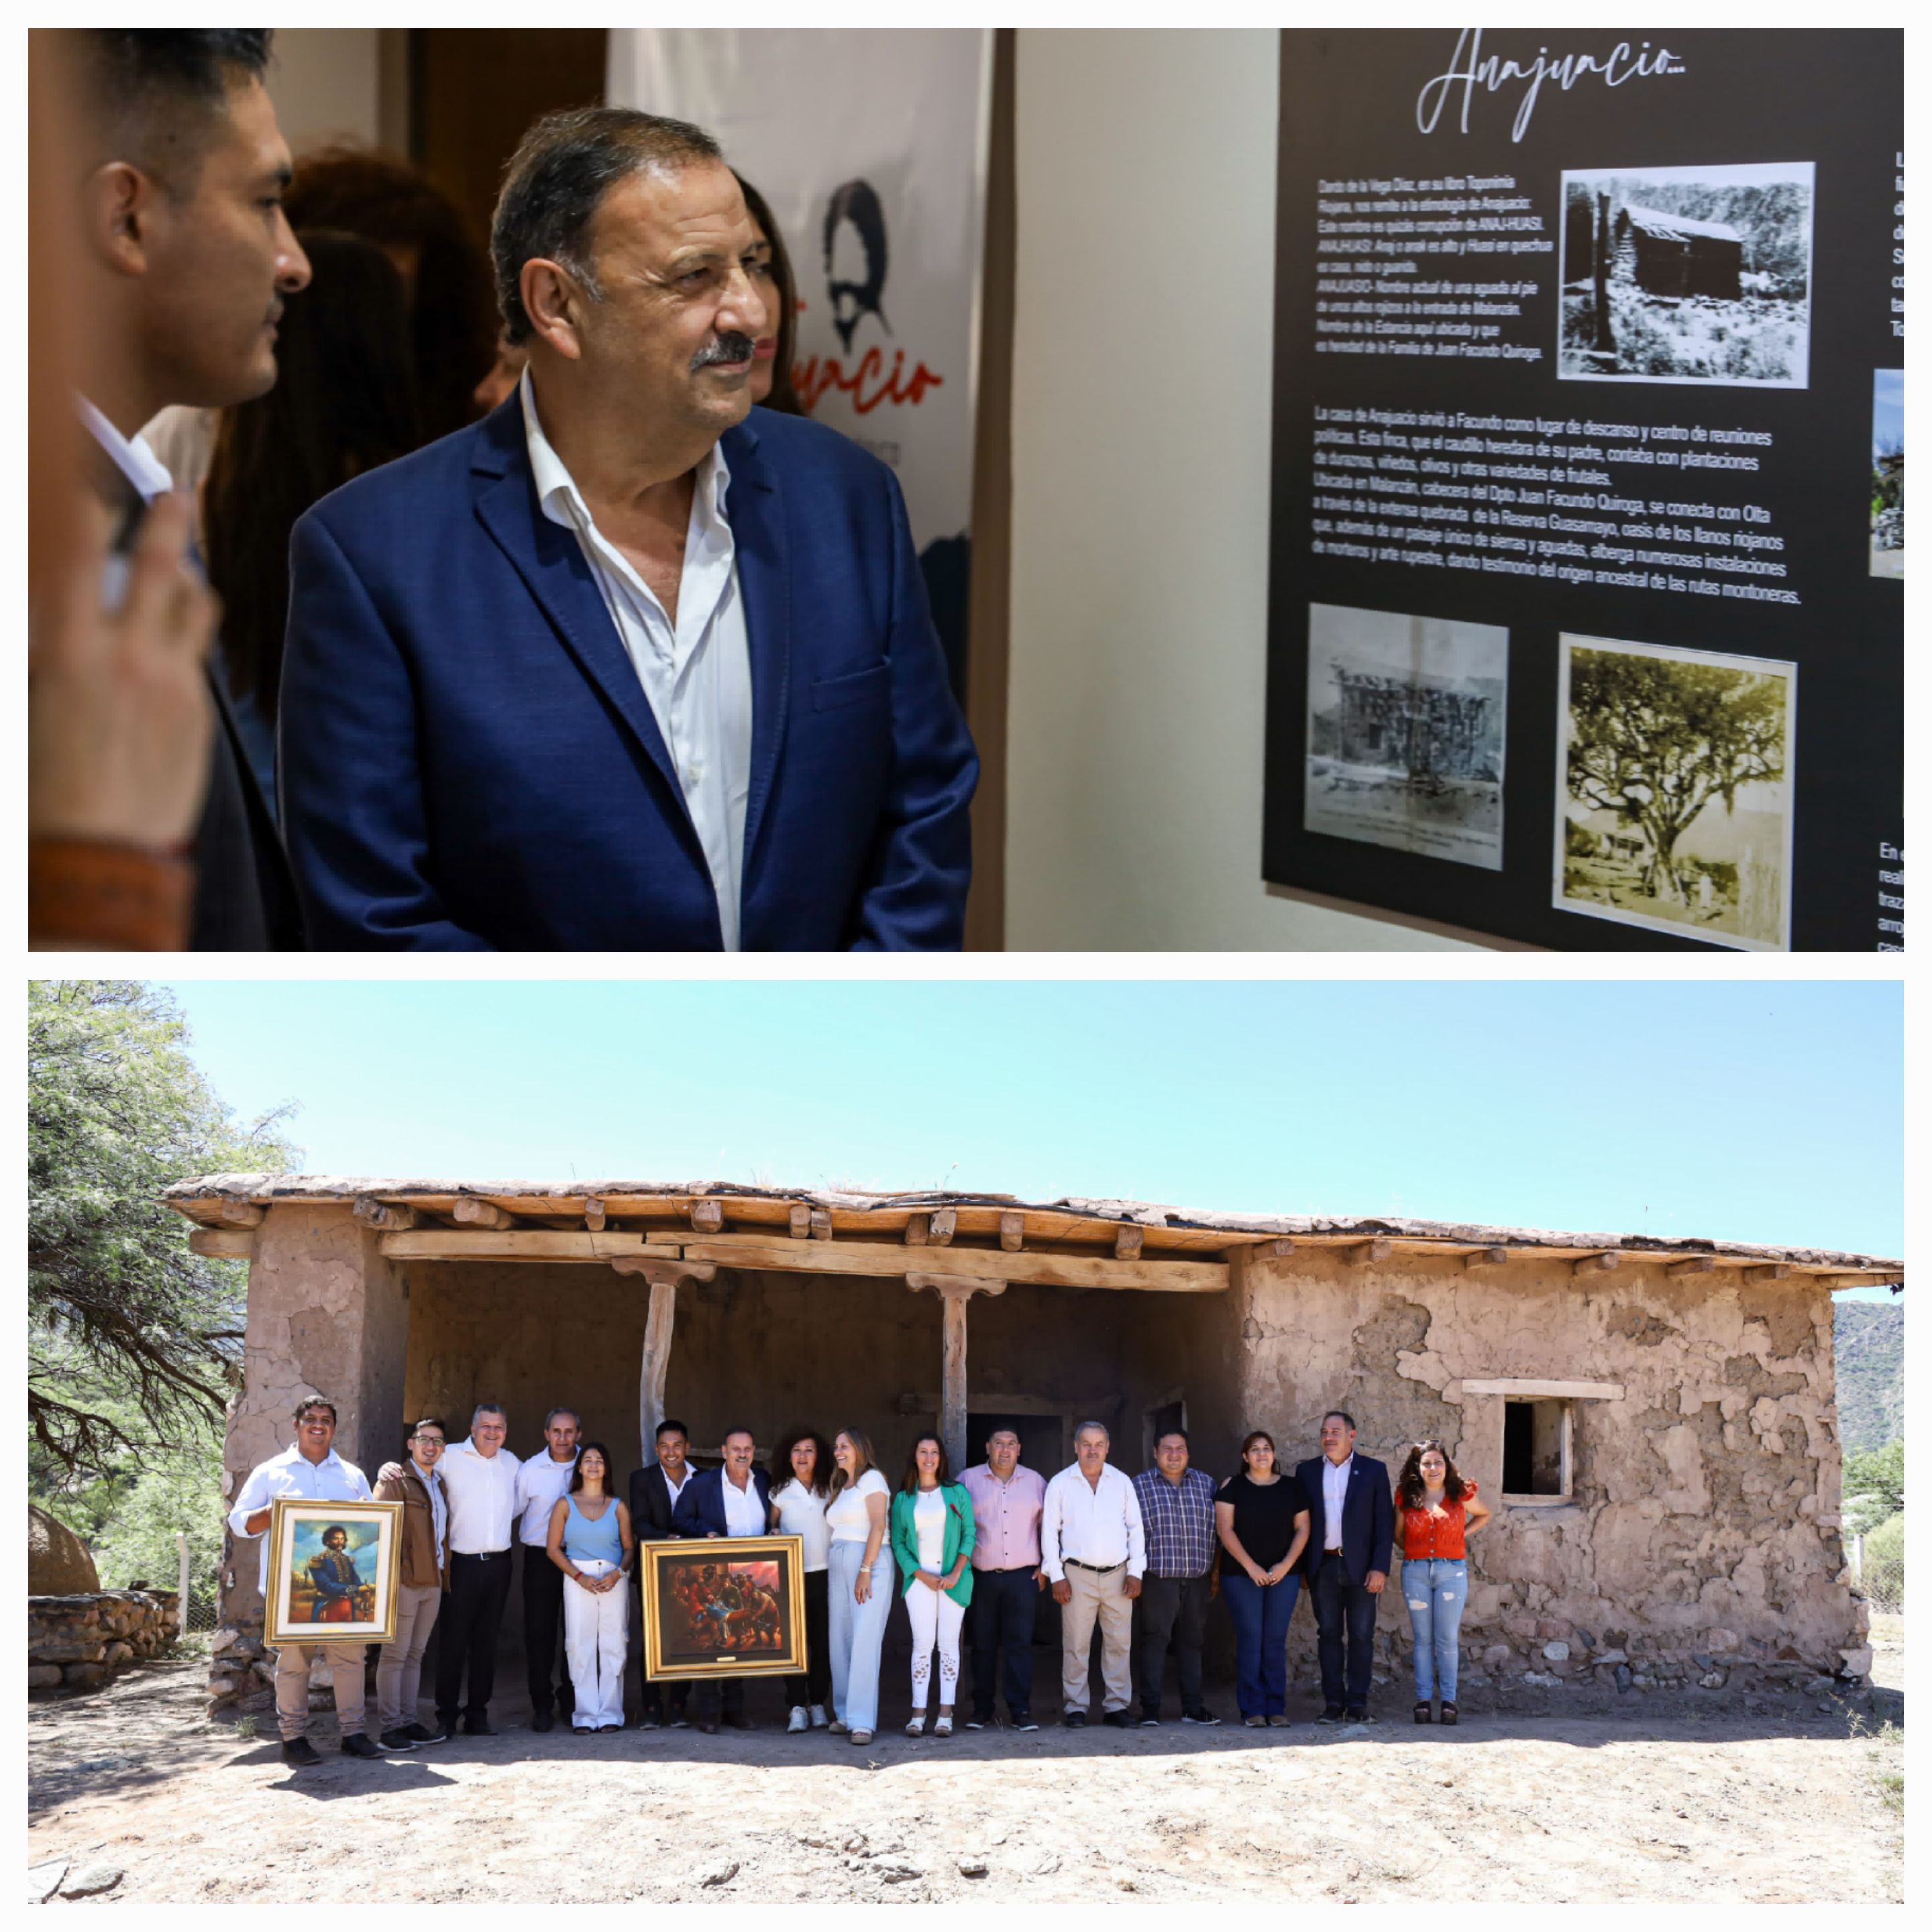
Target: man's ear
121, 209
553, 300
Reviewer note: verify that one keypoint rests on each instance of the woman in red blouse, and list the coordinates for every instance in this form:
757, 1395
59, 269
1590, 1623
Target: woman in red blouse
1436, 1513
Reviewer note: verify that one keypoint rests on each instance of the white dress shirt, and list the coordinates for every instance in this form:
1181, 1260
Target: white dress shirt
134, 460
1334, 1488
292, 1474
482, 1497
802, 1514
1099, 1526
540, 1482
696, 673
744, 1514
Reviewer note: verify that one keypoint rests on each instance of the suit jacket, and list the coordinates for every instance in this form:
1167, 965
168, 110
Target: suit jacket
700, 1510
1368, 1517
651, 1505
403, 1483
469, 759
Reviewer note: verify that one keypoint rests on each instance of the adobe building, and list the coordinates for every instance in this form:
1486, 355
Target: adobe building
1654, 1418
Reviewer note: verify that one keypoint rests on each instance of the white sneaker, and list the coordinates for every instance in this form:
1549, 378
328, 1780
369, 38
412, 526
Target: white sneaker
800, 1721
818, 1717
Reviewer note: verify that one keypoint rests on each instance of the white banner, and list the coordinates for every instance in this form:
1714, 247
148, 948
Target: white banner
870, 147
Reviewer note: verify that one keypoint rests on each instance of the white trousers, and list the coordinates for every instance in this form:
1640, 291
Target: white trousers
936, 1619
595, 1632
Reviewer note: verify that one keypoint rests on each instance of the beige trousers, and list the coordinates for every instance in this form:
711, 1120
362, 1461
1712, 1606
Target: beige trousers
291, 1667
399, 1671
1097, 1594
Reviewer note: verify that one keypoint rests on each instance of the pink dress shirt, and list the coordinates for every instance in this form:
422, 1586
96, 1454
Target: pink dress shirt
1006, 1517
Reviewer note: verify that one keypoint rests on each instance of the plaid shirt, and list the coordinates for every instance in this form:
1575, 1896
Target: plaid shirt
1180, 1521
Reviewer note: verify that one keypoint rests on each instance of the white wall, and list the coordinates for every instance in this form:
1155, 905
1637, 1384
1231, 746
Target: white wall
324, 83
1143, 357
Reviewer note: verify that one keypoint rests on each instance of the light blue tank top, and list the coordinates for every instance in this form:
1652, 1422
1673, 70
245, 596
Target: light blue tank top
587, 1542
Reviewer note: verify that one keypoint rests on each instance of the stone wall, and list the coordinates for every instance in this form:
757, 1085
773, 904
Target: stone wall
81, 1641
1701, 1539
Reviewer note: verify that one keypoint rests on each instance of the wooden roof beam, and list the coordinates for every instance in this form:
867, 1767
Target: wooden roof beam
1365, 1253
385, 1216
1012, 1232
241, 1213
885, 1258
469, 1212
1696, 1264
1601, 1264
935, 1229
707, 1217
1127, 1241
594, 1217
1484, 1258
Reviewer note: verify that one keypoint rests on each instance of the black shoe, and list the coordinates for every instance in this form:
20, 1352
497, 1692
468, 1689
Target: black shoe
709, 1726
478, 1727
1423, 1714
1150, 1720
1119, 1720
1074, 1720
428, 1734
1331, 1713
358, 1746
299, 1754
1203, 1716
544, 1720
1025, 1720
1356, 1714
976, 1723
399, 1739
738, 1720
1448, 1716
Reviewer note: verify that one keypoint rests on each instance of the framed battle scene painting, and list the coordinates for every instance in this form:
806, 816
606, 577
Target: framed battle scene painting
333, 1569
727, 1606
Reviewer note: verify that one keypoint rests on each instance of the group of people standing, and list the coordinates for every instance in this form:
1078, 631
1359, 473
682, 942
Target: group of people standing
1140, 1558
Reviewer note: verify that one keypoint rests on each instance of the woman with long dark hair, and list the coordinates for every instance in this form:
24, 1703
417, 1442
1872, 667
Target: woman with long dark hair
933, 1534
590, 1542
801, 1473
773, 353
1436, 1513
1261, 1515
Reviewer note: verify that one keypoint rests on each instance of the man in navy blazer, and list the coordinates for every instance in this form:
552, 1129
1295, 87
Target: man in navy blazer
624, 666
1352, 1518
732, 1501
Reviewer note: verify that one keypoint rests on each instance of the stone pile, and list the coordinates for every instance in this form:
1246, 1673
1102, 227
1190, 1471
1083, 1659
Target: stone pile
241, 1669
81, 1642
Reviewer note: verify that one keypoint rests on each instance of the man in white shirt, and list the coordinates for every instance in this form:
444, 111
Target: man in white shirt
1093, 1550
541, 1480
310, 1469
481, 1477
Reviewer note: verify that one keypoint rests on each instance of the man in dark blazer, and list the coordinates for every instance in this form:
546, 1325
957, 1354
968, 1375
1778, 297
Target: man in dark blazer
654, 1492
1352, 1515
624, 666
732, 1501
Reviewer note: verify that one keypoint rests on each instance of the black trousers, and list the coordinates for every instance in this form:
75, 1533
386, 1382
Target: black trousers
472, 1614
1345, 1627
550, 1689
1002, 1611
1170, 1610
662, 1703
815, 1686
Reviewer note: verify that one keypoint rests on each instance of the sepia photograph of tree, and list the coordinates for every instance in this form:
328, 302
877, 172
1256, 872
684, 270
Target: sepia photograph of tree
1673, 786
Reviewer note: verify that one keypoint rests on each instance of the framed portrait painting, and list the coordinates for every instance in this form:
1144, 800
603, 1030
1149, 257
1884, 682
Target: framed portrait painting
724, 1606
332, 1572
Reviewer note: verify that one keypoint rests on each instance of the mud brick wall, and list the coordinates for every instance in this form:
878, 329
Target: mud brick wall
81, 1641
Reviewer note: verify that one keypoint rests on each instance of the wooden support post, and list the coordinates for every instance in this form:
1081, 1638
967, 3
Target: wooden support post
1127, 1243
707, 1216
801, 1221
1012, 1232
241, 1214
1696, 1264
664, 1277
1485, 1258
386, 1217
469, 1212
1367, 1251
1777, 1271
1594, 1265
821, 1224
954, 1293
593, 1219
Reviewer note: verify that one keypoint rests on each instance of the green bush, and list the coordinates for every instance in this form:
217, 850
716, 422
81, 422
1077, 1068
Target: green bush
1883, 1574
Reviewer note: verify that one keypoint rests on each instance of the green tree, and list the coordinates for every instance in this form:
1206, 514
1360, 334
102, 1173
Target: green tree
1654, 741
132, 1341
1874, 1487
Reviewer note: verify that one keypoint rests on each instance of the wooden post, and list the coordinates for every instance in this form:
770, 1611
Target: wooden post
954, 1293
664, 1277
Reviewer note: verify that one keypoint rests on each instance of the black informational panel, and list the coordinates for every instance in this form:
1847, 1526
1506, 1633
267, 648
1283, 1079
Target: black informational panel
1586, 616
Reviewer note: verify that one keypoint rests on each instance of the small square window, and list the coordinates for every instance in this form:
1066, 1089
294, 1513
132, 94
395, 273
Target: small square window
1536, 1450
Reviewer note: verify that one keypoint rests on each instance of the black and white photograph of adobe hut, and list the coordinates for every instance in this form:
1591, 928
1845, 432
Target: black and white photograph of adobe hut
1654, 1417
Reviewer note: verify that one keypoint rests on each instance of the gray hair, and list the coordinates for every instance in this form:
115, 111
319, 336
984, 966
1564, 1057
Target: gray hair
556, 179
489, 1409
1099, 1428
554, 1414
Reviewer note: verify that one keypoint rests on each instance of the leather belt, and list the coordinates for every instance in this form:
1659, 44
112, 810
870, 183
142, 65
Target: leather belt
1099, 1569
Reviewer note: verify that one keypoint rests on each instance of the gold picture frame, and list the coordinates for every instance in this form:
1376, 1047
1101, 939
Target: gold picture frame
724, 1606
333, 1572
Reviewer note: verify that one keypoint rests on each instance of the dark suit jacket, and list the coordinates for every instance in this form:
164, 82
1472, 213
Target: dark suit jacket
469, 759
651, 1506
1368, 1517
700, 1510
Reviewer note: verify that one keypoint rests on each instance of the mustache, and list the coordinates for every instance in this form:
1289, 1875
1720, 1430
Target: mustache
729, 347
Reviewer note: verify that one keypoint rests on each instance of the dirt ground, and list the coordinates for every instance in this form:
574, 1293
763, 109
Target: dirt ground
1763, 1800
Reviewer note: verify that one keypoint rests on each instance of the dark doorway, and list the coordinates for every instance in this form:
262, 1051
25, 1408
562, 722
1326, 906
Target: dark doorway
473, 90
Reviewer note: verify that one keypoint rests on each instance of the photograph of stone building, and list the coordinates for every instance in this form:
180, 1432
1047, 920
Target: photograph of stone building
1654, 1417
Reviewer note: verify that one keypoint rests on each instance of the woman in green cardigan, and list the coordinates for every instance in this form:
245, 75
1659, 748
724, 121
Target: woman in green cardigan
932, 1540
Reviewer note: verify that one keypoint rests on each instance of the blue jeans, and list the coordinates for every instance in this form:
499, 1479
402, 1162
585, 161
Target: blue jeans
1260, 1619
1436, 1591
857, 1633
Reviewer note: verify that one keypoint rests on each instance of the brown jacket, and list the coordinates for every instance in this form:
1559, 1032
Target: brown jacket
403, 1483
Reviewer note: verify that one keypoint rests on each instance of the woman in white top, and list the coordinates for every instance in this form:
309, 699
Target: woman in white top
859, 1589
801, 1473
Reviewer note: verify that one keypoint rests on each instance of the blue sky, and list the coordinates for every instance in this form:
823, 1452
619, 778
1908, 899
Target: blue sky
1888, 409
1768, 1112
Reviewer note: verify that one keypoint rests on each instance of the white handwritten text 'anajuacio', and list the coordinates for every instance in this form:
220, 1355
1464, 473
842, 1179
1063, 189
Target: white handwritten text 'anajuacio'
1469, 69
